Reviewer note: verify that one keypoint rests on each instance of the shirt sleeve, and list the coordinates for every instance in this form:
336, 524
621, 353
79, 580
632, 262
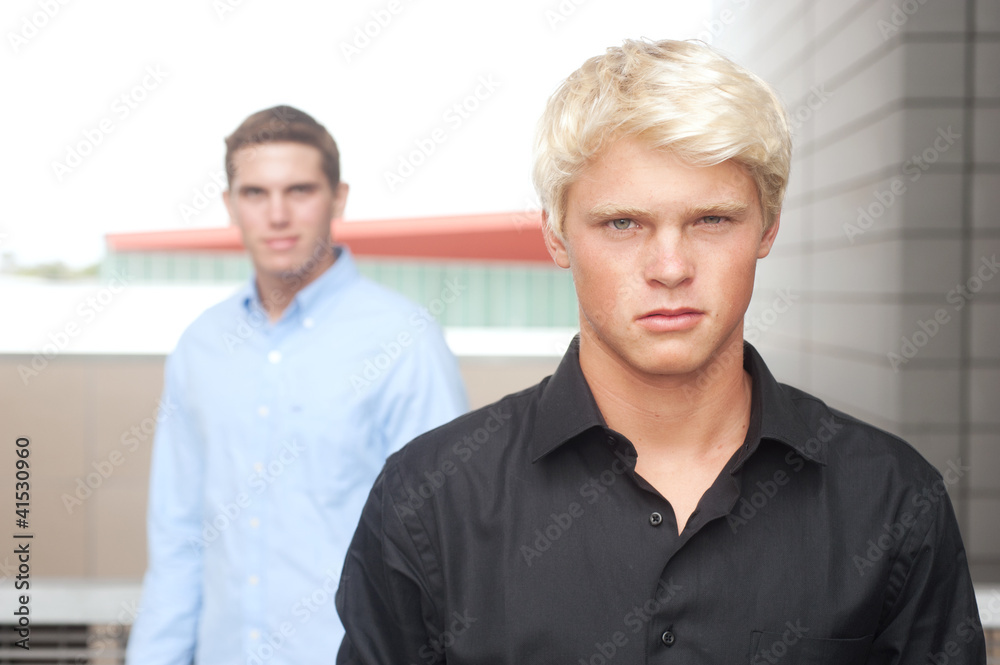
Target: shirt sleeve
424, 391
932, 615
165, 629
384, 599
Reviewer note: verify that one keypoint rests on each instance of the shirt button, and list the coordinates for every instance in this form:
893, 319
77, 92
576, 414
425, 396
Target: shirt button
262, 411
611, 440
668, 638
655, 519
254, 522
253, 580
274, 357
309, 323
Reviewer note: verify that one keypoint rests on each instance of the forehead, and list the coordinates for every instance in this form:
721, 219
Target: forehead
629, 172
277, 162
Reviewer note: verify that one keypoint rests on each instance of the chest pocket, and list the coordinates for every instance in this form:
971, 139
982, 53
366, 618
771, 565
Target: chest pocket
792, 647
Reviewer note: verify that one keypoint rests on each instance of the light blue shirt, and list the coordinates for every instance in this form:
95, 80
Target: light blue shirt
270, 437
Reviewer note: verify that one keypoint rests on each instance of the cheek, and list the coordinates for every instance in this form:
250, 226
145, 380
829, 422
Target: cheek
604, 292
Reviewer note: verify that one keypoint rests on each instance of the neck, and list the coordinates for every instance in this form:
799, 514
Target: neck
276, 290
691, 415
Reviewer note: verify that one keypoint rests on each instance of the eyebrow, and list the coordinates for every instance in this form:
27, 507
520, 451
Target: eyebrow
607, 210
305, 184
720, 208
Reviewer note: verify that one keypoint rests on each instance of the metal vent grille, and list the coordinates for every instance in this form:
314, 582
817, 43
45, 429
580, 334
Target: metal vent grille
65, 644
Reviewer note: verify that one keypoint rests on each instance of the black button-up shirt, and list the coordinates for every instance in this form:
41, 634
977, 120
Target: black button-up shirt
520, 533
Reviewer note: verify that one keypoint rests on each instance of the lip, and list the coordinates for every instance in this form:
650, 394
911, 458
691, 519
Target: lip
281, 244
670, 320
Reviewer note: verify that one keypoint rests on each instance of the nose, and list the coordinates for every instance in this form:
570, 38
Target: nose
277, 209
668, 258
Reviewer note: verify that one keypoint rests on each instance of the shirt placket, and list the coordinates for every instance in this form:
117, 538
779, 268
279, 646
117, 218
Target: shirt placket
270, 419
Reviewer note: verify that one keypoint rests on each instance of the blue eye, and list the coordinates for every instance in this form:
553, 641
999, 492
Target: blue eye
621, 224
712, 219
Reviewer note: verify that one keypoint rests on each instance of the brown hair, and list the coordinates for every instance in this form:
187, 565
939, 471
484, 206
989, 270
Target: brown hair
284, 123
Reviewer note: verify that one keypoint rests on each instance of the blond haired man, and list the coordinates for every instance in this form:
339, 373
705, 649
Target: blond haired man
660, 498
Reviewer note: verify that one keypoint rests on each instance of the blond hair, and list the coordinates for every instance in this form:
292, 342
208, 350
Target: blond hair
678, 96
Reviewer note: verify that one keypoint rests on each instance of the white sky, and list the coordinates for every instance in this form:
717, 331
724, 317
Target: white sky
220, 60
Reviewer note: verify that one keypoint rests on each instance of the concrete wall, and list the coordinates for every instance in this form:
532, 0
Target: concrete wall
892, 209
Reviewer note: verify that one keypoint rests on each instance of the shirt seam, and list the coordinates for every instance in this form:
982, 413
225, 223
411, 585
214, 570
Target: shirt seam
894, 595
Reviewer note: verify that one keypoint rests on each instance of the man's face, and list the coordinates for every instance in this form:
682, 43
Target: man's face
663, 256
283, 205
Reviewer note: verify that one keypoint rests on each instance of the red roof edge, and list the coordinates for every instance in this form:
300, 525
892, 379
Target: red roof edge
513, 236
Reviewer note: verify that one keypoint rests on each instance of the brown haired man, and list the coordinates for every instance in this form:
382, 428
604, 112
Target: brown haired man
280, 425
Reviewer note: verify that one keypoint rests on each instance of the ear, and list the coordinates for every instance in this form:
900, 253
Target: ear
553, 243
767, 240
340, 200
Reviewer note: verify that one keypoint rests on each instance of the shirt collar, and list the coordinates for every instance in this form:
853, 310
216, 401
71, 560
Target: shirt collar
567, 408
315, 294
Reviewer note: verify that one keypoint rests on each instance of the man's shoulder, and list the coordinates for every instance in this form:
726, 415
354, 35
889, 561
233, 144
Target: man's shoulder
368, 297
218, 319
852, 445
481, 437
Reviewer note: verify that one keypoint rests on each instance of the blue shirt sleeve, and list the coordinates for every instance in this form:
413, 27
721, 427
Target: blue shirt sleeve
165, 629
424, 391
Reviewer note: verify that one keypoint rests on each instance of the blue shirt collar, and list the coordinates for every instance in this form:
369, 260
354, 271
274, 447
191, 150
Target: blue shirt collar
315, 294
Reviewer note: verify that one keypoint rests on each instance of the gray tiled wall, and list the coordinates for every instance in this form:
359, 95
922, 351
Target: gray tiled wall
872, 85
